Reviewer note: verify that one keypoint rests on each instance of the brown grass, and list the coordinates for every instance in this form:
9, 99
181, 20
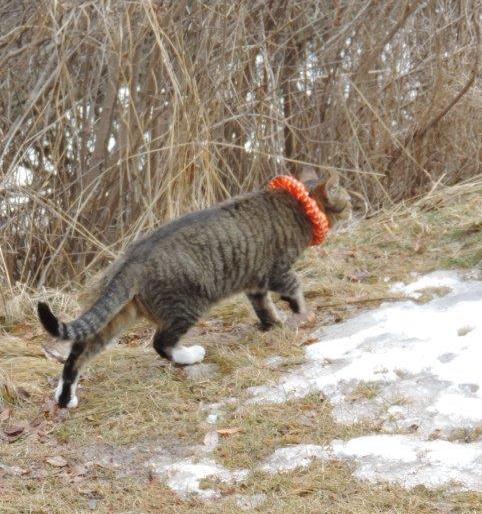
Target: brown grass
132, 402
125, 114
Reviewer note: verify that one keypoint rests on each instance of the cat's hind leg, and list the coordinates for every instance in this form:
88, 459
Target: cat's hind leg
83, 351
80, 354
265, 309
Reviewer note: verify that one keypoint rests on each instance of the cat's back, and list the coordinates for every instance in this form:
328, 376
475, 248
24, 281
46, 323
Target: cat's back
219, 250
240, 216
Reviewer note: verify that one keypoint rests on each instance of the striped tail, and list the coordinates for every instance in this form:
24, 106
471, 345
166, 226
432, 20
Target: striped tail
110, 303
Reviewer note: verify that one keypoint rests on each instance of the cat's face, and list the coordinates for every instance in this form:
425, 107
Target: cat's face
330, 196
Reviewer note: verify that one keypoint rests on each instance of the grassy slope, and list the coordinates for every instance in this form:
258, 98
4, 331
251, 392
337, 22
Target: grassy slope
130, 398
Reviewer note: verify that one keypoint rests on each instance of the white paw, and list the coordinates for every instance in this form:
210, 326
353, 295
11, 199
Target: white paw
188, 354
58, 390
74, 401
111, 343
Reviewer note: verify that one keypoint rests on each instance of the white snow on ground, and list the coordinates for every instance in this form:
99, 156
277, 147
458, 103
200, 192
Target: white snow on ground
409, 461
413, 353
402, 459
292, 457
437, 279
184, 476
183, 468
422, 363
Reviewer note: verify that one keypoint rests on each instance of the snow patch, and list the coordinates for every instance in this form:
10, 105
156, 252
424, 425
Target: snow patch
405, 460
436, 279
184, 467
425, 394
184, 477
412, 352
292, 457
401, 459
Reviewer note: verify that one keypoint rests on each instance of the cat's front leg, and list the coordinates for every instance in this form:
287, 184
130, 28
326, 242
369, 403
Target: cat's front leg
288, 285
264, 309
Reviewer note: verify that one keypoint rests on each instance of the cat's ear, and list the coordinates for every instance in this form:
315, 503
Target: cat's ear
332, 187
307, 174
329, 193
337, 199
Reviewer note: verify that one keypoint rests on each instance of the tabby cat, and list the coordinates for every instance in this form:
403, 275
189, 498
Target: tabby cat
173, 275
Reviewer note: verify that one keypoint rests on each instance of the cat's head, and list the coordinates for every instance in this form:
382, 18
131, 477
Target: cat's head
329, 195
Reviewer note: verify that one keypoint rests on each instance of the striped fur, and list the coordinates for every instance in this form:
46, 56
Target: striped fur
173, 275
113, 299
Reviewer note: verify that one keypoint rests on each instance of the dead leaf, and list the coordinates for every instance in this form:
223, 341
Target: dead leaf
57, 461
5, 414
228, 431
358, 276
14, 430
53, 354
13, 470
23, 393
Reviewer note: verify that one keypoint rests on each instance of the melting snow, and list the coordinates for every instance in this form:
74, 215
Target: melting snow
409, 461
437, 279
292, 457
423, 363
184, 477
402, 459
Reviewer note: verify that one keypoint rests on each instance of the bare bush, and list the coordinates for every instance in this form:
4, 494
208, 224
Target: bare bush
118, 115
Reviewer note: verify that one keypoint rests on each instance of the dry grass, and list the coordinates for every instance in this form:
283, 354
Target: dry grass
124, 114
133, 403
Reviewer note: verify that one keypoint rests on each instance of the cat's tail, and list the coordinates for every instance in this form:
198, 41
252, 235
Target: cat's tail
112, 300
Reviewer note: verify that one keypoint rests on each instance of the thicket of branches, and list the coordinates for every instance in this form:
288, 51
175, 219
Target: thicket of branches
117, 115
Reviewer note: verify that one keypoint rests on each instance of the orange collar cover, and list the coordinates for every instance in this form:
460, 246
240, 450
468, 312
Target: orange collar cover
298, 191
